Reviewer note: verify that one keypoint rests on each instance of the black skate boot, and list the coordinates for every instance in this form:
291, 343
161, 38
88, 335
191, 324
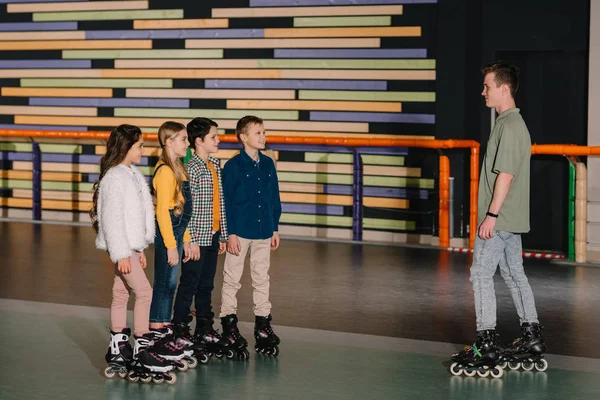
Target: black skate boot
233, 344
185, 339
527, 352
166, 347
119, 354
266, 340
147, 366
482, 358
205, 333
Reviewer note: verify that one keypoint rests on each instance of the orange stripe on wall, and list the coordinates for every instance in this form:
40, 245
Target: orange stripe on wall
192, 73
181, 24
280, 43
408, 31
72, 35
46, 176
55, 92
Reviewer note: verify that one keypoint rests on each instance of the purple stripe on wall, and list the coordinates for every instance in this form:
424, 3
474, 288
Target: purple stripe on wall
4, 155
32, 64
71, 158
99, 102
37, 26
312, 209
350, 53
372, 191
299, 3
293, 84
44, 127
372, 117
177, 34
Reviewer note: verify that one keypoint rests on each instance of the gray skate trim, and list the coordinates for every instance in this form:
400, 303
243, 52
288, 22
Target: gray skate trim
411, 346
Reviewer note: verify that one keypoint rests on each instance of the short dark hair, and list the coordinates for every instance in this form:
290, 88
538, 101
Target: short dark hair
242, 125
504, 73
198, 128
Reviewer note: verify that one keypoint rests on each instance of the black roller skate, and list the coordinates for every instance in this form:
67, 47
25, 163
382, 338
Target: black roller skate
147, 366
185, 339
119, 354
233, 344
526, 352
166, 347
482, 358
266, 340
205, 333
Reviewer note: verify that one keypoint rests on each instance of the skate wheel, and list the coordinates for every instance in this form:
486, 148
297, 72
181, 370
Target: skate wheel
192, 362
123, 374
171, 378
503, 364
514, 365
527, 365
204, 359
109, 372
470, 372
146, 379
230, 354
497, 371
243, 355
132, 377
219, 354
274, 351
183, 366
257, 349
158, 379
455, 369
483, 372
541, 365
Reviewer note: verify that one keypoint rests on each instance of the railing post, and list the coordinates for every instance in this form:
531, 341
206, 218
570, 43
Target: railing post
444, 189
357, 201
571, 211
36, 180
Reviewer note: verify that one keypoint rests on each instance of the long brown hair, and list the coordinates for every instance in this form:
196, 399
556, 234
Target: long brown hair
169, 130
120, 141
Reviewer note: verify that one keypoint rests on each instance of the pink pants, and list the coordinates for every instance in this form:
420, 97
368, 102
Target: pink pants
137, 282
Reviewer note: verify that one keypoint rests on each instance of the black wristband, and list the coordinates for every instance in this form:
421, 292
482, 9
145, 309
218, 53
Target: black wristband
491, 214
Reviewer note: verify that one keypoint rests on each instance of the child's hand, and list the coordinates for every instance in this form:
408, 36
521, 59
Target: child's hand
195, 251
222, 247
275, 241
187, 252
143, 261
124, 266
234, 246
172, 257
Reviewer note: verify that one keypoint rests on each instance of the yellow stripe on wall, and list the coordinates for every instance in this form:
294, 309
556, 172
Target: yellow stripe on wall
315, 105
400, 31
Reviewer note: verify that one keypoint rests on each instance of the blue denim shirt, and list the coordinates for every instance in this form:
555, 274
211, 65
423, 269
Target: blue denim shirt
251, 196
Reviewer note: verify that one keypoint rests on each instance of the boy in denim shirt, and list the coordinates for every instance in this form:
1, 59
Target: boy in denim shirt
253, 210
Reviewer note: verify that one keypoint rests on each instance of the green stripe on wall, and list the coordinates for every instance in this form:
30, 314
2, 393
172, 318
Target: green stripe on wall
67, 186
215, 114
110, 83
342, 21
376, 223
60, 148
365, 96
15, 184
347, 64
149, 54
107, 15
315, 178
388, 181
306, 219
349, 159
23, 147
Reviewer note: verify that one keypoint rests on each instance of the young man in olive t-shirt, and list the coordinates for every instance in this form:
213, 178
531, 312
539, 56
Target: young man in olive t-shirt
503, 216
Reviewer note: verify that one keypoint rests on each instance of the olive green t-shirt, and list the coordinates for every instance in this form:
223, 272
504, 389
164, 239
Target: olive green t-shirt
509, 151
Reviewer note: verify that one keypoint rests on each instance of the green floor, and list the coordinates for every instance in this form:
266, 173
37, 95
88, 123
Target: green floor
51, 351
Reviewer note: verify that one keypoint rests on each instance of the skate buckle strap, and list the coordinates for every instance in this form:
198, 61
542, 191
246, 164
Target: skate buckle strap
476, 350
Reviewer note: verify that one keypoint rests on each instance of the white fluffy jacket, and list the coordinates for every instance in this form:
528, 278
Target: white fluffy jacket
125, 213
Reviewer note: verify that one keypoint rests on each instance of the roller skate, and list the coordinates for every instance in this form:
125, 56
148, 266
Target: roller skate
119, 354
205, 333
266, 340
233, 344
147, 366
482, 358
526, 352
185, 339
166, 347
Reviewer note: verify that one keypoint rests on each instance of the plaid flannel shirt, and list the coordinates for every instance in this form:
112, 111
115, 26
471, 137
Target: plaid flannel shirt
201, 183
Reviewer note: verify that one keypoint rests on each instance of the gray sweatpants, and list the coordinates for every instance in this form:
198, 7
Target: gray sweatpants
505, 249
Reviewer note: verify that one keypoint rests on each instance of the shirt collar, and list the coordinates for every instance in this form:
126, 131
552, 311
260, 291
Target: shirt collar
507, 113
249, 159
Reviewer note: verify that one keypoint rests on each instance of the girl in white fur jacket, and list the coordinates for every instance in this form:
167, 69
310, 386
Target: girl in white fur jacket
123, 217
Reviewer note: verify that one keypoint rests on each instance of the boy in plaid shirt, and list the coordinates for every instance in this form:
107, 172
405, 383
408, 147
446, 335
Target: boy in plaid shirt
253, 212
208, 229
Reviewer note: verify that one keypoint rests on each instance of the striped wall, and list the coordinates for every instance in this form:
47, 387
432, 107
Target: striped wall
354, 68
